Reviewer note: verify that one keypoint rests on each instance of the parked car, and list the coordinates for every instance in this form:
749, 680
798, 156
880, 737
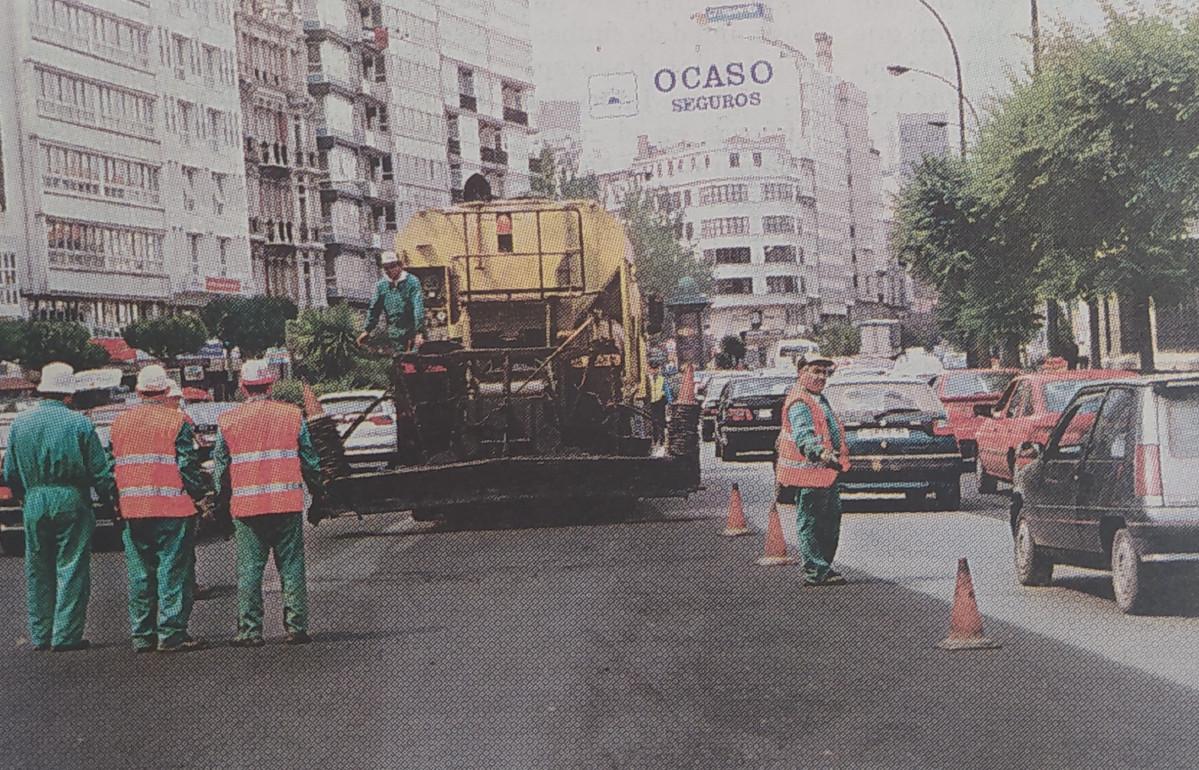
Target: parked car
749, 415
1025, 414
711, 399
375, 437
961, 390
204, 415
899, 439
1113, 486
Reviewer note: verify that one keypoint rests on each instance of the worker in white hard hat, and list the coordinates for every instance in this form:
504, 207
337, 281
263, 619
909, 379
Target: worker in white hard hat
400, 298
264, 457
54, 461
160, 484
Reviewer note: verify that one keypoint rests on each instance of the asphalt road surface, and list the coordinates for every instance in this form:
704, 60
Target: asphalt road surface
642, 639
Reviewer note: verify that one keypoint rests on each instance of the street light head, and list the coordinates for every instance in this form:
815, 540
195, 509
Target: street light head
898, 69
938, 123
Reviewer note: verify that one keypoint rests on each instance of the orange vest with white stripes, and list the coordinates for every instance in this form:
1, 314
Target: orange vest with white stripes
793, 469
147, 470
264, 464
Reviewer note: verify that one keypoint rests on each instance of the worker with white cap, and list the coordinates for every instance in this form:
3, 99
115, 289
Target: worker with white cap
54, 461
160, 484
400, 298
263, 457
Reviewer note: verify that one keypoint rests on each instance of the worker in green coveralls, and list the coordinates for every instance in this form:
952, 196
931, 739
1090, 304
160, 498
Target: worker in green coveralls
400, 298
54, 461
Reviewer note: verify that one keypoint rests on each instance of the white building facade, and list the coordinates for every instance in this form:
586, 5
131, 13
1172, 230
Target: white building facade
125, 189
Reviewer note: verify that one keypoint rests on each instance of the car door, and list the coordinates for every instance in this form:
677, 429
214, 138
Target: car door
1010, 431
1055, 498
1105, 476
990, 433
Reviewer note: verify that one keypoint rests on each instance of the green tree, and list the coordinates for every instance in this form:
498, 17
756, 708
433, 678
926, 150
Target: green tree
732, 352
952, 237
323, 343
1093, 163
658, 252
41, 342
574, 187
838, 340
10, 339
545, 181
167, 337
251, 324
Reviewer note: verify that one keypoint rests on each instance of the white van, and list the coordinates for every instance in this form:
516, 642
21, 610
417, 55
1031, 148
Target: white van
787, 351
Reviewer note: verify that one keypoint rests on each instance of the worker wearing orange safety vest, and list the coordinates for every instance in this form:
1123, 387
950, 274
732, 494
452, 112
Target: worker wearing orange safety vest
811, 455
158, 483
264, 457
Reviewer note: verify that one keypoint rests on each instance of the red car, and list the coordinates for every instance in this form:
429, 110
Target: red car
961, 390
1025, 414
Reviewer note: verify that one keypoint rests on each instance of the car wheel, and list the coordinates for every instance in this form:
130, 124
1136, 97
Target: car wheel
987, 484
12, 543
1128, 574
1034, 567
949, 495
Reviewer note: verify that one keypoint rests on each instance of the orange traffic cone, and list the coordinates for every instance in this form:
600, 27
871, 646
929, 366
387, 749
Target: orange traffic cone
687, 386
312, 405
736, 525
965, 624
776, 548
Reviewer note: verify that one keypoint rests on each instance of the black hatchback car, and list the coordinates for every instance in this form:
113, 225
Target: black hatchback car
749, 415
1115, 487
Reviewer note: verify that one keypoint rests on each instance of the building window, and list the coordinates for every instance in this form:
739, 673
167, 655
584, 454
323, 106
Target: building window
223, 252
734, 159
690, 231
852, 232
670, 168
219, 183
189, 187
193, 243
103, 247
780, 284
466, 81
9, 294
737, 255
707, 161
90, 103
713, 228
781, 254
757, 159
687, 195
778, 224
735, 286
692, 162
723, 193
774, 191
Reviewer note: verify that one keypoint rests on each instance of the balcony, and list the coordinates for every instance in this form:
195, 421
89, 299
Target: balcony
343, 188
513, 115
454, 147
378, 140
342, 236
468, 102
492, 155
278, 232
273, 159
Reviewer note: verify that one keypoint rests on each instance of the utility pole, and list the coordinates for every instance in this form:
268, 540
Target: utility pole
1036, 38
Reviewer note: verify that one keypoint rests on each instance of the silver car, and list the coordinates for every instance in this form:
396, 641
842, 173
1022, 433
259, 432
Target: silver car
375, 436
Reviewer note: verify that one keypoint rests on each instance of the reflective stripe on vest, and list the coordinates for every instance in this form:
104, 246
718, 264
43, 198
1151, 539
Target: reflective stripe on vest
147, 469
263, 438
793, 469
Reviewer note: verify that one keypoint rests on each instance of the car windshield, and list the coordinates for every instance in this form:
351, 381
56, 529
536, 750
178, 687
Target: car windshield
1182, 415
1058, 394
882, 398
761, 386
958, 384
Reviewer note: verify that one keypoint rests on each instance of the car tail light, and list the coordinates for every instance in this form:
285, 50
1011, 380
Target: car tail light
5, 493
942, 428
740, 415
1148, 470
380, 419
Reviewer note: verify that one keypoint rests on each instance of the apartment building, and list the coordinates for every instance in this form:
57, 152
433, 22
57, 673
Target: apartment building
283, 174
126, 191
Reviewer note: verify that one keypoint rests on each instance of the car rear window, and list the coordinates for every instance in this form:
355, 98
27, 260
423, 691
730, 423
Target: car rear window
958, 384
761, 386
877, 397
1182, 420
1058, 394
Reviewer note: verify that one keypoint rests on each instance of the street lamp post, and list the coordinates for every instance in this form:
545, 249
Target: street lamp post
957, 64
899, 69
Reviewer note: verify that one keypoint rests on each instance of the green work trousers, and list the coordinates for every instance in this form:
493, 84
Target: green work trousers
256, 537
160, 556
818, 529
58, 572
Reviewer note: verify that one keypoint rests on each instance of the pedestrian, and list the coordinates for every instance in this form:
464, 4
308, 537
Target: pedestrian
160, 485
811, 455
400, 298
659, 393
54, 461
264, 457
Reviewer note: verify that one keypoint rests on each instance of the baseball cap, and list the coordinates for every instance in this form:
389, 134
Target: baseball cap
57, 377
256, 371
389, 258
175, 391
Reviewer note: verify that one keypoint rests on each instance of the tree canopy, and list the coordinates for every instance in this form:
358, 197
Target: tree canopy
323, 341
167, 337
38, 343
658, 252
252, 324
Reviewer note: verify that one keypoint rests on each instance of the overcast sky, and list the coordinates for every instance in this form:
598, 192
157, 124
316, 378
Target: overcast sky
574, 39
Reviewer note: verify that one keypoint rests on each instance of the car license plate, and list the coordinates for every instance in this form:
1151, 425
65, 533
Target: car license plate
765, 414
884, 433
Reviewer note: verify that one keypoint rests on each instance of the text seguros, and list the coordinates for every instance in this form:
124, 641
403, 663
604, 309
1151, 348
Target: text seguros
694, 78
